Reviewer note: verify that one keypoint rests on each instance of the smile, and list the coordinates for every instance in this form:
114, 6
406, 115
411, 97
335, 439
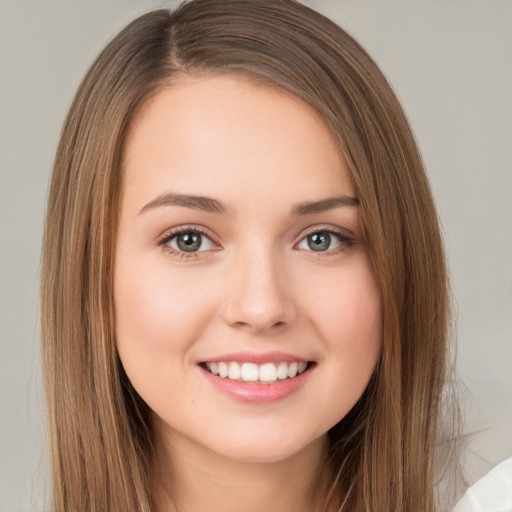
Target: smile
256, 373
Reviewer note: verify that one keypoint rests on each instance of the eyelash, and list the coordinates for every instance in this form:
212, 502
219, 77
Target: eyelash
344, 240
167, 237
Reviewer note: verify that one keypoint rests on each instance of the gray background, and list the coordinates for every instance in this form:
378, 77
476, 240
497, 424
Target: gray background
450, 63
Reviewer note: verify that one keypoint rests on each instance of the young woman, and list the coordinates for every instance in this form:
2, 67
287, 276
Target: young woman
245, 299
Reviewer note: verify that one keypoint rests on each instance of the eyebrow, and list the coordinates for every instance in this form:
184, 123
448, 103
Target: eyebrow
309, 207
208, 204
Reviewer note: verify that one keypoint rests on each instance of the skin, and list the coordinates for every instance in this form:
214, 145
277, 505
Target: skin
255, 286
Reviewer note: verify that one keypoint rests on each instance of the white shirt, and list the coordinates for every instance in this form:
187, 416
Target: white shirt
492, 493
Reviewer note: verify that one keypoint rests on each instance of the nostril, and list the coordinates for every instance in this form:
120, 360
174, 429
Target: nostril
256, 326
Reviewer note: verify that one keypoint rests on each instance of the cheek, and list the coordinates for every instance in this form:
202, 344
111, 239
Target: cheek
348, 318
361, 327
357, 326
157, 315
348, 310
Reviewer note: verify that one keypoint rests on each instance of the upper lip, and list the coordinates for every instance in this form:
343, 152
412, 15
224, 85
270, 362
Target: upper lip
255, 357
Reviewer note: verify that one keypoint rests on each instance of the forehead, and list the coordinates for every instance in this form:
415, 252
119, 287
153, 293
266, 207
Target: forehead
226, 134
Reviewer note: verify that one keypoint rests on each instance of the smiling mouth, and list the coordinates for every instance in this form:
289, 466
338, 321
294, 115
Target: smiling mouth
256, 373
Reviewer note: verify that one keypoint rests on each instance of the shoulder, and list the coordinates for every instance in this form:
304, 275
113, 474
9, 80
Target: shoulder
492, 493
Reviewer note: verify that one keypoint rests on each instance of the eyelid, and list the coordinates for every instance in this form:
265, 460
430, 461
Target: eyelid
186, 228
346, 238
329, 228
169, 234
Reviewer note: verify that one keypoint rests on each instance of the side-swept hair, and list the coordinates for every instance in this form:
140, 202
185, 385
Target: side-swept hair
382, 452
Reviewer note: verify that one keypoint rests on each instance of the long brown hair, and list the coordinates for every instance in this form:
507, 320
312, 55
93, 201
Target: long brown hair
382, 452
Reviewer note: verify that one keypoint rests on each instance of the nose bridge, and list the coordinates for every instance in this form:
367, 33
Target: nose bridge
259, 295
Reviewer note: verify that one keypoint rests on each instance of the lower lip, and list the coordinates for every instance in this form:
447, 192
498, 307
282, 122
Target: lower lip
258, 393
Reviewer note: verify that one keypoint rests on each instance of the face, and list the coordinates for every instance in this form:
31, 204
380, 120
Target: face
247, 313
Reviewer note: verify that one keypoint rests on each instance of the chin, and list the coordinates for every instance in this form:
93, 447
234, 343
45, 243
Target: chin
266, 447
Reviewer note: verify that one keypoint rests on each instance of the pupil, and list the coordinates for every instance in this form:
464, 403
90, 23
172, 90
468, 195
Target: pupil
319, 241
189, 242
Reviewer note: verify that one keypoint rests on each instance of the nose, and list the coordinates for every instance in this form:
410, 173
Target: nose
259, 295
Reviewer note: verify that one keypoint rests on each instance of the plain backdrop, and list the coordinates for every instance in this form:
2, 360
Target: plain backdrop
450, 62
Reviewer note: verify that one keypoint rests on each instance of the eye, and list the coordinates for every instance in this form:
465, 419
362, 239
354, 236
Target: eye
324, 241
187, 241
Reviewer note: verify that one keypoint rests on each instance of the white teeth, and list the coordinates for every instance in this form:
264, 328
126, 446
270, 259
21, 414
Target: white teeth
234, 372
251, 372
292, 370
282, 370
268, 372
223, 370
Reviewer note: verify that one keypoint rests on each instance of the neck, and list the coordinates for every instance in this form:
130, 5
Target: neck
197, 480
